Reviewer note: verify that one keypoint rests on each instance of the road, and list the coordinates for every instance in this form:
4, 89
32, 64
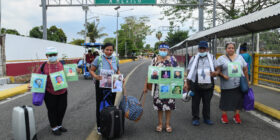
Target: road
80, 116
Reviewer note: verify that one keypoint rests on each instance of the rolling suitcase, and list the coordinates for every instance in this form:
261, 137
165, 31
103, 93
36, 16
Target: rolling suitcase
112, 122
23, 123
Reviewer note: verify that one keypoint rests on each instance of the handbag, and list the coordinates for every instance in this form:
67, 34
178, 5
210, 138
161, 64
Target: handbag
132, 107
249, 100
244, 87
38, 98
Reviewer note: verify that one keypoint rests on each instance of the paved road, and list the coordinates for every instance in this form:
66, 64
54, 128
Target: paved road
80, 117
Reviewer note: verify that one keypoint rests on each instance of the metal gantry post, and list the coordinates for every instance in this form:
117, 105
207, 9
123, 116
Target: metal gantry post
44, 11
0, 14
201, 18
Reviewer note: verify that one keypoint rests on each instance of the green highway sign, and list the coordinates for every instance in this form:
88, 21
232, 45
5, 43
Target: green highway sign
128, 2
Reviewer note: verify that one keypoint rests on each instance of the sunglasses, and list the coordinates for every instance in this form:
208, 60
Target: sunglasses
52, 55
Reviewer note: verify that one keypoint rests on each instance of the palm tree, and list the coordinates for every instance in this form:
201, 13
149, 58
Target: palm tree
159, 35
93, 32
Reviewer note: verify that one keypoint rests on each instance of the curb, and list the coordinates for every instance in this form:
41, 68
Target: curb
22, 89
261, 107
13, 91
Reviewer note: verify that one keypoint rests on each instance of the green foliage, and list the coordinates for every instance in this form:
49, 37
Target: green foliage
53, 33
9, 31
77, 42
109, 40
174, 38
132, 35
93, 31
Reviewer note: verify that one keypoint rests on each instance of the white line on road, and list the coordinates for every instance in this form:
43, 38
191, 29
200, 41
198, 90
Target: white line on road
260, 116
14, 98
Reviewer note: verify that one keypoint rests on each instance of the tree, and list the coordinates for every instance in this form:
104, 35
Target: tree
93, 31
159, 35
36, 32
226, 9
9, 31
174, 38
109, 40
132, 35
77, 42
53, 33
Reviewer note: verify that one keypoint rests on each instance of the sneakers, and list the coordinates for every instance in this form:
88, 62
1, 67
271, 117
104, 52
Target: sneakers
195, 123
62, 129
224, 119
209, 122
56, 132
237, 119
98, 131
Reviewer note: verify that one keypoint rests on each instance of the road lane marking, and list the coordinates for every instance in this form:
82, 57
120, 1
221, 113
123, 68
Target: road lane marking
93, 135
260, 116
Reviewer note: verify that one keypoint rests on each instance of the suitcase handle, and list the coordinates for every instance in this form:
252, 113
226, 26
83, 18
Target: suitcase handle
27, 127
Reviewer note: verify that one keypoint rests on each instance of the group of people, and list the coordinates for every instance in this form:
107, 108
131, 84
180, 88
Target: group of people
201, 71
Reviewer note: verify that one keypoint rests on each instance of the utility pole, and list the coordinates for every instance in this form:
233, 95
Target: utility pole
85, 8
200, 16
0, 15
214, 25
44, 11
117, 9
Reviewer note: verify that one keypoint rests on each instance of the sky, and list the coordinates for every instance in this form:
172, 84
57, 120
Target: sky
23, 15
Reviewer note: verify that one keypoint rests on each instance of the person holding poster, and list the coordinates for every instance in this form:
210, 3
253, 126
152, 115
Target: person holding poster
232, 67
163, 105
105, 62
56, 101
201, 71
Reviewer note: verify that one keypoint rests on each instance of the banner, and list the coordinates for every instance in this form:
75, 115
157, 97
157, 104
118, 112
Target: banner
71, 72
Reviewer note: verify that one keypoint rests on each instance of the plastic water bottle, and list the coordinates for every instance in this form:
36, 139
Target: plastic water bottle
191, 93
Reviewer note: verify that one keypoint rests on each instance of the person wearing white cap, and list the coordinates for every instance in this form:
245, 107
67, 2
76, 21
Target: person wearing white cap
56, 101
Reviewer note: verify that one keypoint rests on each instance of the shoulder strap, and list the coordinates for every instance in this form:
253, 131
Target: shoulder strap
100, 62
42, 67
172, 61
228, 58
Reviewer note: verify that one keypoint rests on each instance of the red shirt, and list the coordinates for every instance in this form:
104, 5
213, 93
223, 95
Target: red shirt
51, 68
89, 58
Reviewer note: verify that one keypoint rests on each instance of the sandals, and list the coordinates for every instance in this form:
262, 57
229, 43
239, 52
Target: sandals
168, 129
159, 128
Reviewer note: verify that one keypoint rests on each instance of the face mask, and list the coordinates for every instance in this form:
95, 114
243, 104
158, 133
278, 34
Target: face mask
52, 58
203, 54
107, 56
162, 53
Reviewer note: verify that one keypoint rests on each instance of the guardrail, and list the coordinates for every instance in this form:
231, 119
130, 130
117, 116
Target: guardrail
267, 70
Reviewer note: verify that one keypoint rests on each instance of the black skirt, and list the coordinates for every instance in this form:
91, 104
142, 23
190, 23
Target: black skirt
231, 99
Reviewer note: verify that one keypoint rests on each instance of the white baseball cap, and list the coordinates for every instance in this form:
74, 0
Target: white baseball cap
51, 50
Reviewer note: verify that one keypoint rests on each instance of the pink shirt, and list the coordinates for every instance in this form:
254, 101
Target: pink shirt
51, 68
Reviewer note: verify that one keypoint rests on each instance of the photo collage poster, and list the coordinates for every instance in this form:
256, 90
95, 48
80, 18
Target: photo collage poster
71, 72
38, 82
117, 80
58, 80
170, 80
106, 81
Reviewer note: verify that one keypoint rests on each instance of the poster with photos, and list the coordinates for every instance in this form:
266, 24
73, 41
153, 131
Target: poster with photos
71, 72
58, 80
178, 75
106, 81
234, 69
153, 74
38, 82
117, 80
168, 91
165, 74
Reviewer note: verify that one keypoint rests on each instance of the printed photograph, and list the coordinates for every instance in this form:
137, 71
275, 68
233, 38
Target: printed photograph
165, 74
176, 90
164, 88
59, 80
38, 83
177, 74
117, 81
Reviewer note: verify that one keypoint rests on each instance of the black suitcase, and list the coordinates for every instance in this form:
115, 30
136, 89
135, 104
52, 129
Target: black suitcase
112, 122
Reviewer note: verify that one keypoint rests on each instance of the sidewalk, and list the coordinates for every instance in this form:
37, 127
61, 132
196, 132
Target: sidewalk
266, 100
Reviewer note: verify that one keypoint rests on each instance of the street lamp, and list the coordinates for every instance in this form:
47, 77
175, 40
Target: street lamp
117, 9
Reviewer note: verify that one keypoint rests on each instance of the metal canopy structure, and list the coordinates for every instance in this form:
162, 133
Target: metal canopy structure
262, 20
